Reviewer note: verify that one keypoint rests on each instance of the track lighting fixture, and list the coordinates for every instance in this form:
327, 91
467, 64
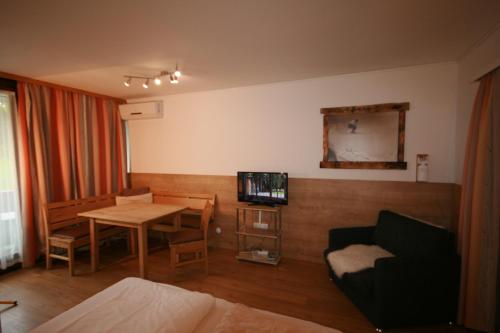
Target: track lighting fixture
177, 72
157, 79
173, 79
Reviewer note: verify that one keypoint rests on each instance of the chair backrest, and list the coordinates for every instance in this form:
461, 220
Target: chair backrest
195, 201
205, 218
65, 213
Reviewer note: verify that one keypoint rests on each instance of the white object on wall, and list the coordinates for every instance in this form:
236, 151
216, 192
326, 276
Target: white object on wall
422, 167
146, 110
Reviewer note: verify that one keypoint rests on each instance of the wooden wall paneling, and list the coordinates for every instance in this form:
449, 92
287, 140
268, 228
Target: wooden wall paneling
317, 205
457, 191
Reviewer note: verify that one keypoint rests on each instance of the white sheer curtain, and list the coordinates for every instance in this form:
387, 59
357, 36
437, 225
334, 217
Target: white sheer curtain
10, 217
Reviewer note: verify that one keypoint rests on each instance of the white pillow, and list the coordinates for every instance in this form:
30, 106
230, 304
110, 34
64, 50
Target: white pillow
142, 198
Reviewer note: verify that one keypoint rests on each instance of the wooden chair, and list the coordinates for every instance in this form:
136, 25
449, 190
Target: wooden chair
195, 202
191, 241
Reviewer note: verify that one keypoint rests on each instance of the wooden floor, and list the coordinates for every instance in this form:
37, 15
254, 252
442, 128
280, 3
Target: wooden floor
294, 288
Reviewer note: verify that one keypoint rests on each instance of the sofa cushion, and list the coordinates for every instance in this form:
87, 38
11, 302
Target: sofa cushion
408, 237
73, 232
355, 258
77, 231
185, 236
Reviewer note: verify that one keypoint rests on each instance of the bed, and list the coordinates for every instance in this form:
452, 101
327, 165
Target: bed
137, 305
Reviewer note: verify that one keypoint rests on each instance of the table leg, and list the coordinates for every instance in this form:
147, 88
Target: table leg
177, 222
94, 245
132, 241
143, 249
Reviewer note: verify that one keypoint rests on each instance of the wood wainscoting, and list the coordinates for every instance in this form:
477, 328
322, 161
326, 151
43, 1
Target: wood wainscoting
317, 205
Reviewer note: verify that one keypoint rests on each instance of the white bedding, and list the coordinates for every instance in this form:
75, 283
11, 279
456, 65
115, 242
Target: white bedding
136, 305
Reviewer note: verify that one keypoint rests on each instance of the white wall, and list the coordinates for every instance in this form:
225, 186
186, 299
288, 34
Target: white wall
278, 127
477, 62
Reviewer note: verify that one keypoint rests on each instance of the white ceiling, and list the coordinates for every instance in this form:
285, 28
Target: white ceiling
91, 44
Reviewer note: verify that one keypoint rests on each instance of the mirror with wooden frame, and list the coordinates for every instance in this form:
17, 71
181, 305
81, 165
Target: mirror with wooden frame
364, 137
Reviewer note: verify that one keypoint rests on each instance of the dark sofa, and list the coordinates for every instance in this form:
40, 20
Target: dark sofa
418, 286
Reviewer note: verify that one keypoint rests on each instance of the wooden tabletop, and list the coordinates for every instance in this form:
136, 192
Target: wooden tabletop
136, 213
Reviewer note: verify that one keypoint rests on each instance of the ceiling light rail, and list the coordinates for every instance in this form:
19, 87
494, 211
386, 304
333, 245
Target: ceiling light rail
157, 79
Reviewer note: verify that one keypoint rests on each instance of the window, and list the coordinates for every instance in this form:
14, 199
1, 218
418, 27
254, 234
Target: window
10, 217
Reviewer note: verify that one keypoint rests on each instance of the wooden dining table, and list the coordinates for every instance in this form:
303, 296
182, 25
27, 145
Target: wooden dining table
136, 216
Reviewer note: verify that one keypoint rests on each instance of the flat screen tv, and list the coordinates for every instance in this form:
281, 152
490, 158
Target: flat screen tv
264, 188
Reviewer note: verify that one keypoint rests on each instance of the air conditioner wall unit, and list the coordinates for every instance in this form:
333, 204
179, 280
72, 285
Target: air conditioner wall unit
146, 110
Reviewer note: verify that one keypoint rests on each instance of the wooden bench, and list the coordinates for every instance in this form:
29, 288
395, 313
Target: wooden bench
191, 217
65, 230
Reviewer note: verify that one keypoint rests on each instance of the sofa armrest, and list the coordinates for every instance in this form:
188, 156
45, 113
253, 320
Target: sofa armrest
415, 284
339, 238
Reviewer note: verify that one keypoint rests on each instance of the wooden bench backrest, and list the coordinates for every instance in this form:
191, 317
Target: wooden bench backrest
195, 201
64, 213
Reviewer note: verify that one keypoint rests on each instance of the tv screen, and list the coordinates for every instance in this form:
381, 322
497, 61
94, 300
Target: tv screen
268, 188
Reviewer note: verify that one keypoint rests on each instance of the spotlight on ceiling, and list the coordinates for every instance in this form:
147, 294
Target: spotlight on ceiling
173, 79
157, 81
177, 72
145, 85
128, 82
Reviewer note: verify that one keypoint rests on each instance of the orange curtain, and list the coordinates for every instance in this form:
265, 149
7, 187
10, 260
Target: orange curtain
479, 223
70, 146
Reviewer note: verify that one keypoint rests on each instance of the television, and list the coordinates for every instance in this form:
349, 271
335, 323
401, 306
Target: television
263, 188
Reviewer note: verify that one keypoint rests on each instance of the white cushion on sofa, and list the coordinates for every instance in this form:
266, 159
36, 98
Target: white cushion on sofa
142, 198
355, 258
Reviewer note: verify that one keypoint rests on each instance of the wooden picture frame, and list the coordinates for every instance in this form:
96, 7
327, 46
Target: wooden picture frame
398, 163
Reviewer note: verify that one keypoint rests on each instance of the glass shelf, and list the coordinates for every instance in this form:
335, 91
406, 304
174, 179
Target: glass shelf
246, 218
